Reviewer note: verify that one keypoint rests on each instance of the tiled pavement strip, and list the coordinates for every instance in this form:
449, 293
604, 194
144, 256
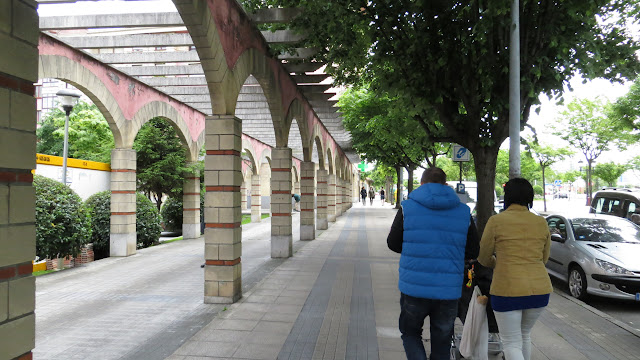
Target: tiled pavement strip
336, 298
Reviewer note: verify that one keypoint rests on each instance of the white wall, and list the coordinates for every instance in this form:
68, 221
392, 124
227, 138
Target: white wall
84, 182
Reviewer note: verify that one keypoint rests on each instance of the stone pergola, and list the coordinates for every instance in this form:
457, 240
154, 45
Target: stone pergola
217, 85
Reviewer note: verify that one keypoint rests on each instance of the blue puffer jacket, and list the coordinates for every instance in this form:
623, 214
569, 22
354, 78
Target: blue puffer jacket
434, 239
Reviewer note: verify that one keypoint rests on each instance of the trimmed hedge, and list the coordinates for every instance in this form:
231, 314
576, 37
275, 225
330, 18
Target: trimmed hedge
147, 222
537, 189
171, 213
63, 223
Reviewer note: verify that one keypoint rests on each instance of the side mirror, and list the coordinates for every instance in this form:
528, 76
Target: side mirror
557, 237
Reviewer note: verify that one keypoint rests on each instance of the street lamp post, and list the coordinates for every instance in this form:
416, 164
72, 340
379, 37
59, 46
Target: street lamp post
68, 99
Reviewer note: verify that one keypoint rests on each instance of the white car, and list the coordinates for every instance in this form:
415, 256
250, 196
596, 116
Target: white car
596, 254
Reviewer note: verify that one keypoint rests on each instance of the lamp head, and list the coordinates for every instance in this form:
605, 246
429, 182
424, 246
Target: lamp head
68, 98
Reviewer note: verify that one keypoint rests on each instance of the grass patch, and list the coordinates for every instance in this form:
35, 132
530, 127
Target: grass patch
264, 216
42, 272
172, 240
246, 218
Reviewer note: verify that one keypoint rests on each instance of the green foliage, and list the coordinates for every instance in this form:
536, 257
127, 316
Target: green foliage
537, 190
626, 110
161, 160
90, 137
499, 190
171, 213
529, 168
610, 172
147, 222
380, 175
452, 169
62, 222
99, 206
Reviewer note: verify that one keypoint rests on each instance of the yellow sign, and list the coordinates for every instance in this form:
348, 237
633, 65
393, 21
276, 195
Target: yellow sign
74, 163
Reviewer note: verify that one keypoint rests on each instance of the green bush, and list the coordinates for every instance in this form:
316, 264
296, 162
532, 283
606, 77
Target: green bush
63, 224
171, 213
499, 190
147, 222
537, 189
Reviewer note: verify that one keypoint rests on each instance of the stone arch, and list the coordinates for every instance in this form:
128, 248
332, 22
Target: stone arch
169, 113
296, 113
330, 161
62, 68
251, 154
318, 140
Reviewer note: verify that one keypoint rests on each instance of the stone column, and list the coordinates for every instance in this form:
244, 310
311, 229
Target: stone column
321, 212
307, 201
223, 217
123, 203
281, 237
243, 195
331, 198
349, 194
191, 205
19, 35
256, 199
339, 197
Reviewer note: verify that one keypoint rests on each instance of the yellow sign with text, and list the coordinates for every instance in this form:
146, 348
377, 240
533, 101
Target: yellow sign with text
74, 163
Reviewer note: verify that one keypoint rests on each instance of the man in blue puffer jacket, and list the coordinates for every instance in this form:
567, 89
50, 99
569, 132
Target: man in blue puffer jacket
434, 233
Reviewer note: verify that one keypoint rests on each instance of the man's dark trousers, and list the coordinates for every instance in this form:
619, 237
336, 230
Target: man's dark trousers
442, 315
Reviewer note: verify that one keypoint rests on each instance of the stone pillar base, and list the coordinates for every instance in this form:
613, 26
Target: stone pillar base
256, 217
281, 246
331, 217
190, 231
122, 244
322, 224
307, 232
222, 299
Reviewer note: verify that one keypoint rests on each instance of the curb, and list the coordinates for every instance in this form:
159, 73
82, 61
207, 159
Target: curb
609, 318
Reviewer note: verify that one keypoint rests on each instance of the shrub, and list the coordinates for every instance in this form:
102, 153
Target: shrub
171, 213
63, 224
499, 190
537, 189
147, 222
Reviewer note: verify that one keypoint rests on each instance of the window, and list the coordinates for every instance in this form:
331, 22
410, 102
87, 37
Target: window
557, 226
608, 206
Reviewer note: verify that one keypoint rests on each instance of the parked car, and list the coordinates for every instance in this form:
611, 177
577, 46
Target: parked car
617, 202
596, 254
561, 195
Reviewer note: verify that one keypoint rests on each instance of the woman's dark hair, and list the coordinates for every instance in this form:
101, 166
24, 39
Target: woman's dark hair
518, 191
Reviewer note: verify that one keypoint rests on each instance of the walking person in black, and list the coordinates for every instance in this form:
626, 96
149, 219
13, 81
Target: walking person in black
363, 194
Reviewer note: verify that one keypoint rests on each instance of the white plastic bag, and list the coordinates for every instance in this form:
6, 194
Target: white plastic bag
475, 333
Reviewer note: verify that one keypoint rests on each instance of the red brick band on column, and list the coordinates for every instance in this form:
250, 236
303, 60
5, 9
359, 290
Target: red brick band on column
9, 272
191, 194
323, 194
322, 207
307, 178
280, 169
309, 194
123, 170
17, 176
222, 188
222, 262
306, 209
123, 213
280, 214
223, 152
255, 205
322, 182
17, 84
196, 209
280, 192
123, 191
223, 225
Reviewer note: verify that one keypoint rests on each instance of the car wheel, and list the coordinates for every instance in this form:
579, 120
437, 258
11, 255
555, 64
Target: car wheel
577, 283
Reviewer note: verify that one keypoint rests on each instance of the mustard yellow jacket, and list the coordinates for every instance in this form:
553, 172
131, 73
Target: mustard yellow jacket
516, 243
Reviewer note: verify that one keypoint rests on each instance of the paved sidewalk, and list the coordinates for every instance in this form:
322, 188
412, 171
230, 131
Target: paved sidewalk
336, 298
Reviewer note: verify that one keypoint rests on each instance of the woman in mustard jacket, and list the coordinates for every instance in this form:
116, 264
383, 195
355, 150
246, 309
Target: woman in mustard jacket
516, 243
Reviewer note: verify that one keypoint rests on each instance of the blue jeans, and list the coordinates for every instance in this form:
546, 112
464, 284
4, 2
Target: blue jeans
442, 315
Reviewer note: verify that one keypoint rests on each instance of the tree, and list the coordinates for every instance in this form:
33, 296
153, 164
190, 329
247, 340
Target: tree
90, 137
586, 127
528, 167
609, 172
626, 109
452, 58
545, 156
161, 160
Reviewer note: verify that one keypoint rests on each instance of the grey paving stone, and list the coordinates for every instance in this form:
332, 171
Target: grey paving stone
257, 351
208, 348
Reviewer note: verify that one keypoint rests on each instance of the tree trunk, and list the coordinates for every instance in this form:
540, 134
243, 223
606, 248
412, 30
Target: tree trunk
589, 189
410, 180
485, 159
158, 198
544, 190
399, 186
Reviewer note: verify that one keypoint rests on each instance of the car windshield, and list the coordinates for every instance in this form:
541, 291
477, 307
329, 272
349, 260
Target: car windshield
605, 230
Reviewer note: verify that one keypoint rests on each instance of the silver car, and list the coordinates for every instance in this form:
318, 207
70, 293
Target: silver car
596, 254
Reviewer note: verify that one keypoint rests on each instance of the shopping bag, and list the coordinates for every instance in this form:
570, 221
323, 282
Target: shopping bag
475, 333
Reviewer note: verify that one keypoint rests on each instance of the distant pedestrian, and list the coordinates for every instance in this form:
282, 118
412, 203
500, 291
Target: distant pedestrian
295, 200
363, 195
382, 196
372, 194
516, 243
434, 233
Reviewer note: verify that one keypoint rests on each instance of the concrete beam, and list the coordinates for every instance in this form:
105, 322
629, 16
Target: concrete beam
319, 96
310, 79
275, 15
125, 41
110, 21
162, 70
319, 104
282, 37
299, 54
175, 81
314, 88
303, 67
148, 57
